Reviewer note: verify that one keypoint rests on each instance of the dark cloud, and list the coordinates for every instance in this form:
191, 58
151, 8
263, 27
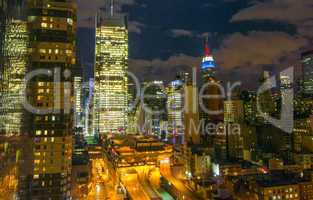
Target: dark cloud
257, 48
163, 69
293, 11
167, 36
135, 27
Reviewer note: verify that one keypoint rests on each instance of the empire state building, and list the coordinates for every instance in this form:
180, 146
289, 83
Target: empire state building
211, 103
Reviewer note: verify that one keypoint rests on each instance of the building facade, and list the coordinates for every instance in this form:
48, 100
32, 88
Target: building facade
307, 72
78, 123
14, 69
111, 82
211, 102
175, 106
46, 170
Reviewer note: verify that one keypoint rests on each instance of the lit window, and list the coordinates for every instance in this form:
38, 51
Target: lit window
36, 176
56, 51
44, 25
38, 132
70, 21
68, 51
42, 51
52, 139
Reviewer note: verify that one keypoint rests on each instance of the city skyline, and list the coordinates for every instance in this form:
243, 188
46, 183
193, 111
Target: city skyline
230, 32
156, 100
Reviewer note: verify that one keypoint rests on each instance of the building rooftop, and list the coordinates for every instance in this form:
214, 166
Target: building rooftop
280, 178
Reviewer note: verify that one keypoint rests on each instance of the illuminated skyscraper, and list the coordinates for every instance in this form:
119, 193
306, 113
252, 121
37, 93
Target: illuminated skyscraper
191, 113
233, 111
307, 67
14, 69
2, 27
111, 83
175, 106
265, 99
46, 169
13, 59
212, 105
78, 92
154, 106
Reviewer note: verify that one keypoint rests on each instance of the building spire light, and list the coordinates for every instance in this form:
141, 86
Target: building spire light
208, 60
112, 8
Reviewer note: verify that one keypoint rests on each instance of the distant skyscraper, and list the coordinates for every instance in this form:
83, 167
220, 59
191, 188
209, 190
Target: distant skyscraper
111, 82
87, 102
154, 106
78, 101
191, 113
13, 58
175, 106
46, 169
14, 69
233, 111
212, 106
307, 67
2, 26
265, 100
249, 105
208, 65
285, 82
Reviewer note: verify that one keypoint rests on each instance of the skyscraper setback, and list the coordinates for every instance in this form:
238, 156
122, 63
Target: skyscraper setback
111, 83
46, 170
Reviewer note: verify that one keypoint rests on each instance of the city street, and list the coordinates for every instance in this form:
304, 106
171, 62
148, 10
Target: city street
102, 185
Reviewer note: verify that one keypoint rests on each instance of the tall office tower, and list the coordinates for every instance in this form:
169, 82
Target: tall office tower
78, 89
2, 25
2, 30
285, 82
15, 54
233, 119
191, 113
265, 100
86, 102
175, 106
154, 103
212, 105
46, 171
307, 71
111, 82
13, 35
233, 111
249, 106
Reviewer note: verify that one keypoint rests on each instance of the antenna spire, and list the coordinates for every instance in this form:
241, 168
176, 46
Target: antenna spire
112, 8
207, 50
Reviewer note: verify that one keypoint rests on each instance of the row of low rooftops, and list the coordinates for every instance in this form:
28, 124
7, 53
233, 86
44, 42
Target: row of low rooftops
124, 144
135, 150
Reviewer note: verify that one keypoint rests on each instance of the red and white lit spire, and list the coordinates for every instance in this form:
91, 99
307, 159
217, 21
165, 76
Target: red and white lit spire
208, 60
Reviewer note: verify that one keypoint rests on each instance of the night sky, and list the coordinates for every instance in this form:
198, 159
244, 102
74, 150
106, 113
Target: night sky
245, 36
